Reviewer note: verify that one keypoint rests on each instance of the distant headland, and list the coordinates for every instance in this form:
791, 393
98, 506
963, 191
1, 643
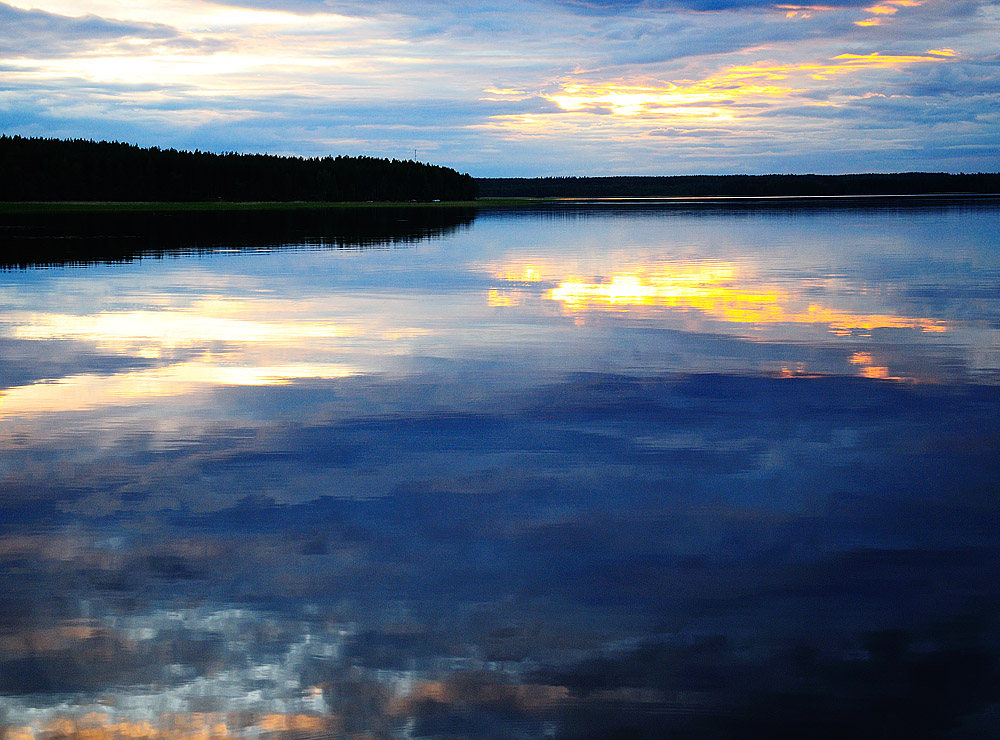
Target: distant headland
746, 186
38, 169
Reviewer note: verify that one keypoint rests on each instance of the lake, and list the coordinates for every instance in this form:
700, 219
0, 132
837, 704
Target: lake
590, 469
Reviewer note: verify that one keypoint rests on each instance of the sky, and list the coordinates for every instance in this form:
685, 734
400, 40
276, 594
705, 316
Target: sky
520, 88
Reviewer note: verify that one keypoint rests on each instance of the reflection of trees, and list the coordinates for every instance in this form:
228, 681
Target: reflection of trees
83, 237
50, 169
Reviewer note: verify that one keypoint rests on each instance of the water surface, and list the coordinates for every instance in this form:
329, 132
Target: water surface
712, 470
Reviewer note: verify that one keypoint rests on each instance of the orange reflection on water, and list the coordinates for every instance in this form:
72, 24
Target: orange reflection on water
52, 639
176, 726
718, 290
876, 372
525, 274
869, 369
500, 299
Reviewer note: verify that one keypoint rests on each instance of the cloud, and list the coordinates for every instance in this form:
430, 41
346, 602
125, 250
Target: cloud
490, 91
35, 33
614, 7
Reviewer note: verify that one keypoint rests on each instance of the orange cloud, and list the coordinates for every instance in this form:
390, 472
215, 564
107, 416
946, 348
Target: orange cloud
803, 11
883, 10
693, 99
888, 8
709, 98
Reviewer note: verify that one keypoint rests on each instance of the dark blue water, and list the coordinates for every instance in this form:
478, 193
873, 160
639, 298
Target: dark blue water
589, 471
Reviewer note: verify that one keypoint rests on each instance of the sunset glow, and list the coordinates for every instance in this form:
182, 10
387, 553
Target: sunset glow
219, 340
692, 101
737, 94
199, 726
725, 303
539, 89
718, 290
86, 392
172, 328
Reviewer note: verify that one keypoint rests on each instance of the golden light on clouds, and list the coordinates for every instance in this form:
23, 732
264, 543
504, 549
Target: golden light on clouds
881, 11
225, 74
805, 8
665, 90
508, 94
736, 92
839, 65
193, 15
201, 48
631, 101
693, 100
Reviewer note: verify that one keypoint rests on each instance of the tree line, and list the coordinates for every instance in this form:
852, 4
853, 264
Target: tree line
906, 183
39, 169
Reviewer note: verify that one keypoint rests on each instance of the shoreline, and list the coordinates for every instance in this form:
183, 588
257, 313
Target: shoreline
27, 207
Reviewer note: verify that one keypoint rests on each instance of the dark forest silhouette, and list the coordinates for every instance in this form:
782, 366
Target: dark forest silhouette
43, 237
907, 183
38, 169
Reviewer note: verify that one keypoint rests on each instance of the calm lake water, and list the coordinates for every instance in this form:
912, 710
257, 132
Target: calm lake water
705, 470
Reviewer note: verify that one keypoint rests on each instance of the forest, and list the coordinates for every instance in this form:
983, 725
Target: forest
753, 186
39, 169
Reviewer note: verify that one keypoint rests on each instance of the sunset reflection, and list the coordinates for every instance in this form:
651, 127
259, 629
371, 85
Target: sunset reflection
718, 290
80, 392
211, 343
575, 471
868, 369
98, 725
202, 323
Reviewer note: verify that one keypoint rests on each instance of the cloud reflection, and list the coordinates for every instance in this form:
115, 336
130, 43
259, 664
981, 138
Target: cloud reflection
718, 289
80, 392
204, 345
102, 725
174, 327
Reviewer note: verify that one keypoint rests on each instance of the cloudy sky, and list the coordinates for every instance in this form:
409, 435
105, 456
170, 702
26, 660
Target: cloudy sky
520, 88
